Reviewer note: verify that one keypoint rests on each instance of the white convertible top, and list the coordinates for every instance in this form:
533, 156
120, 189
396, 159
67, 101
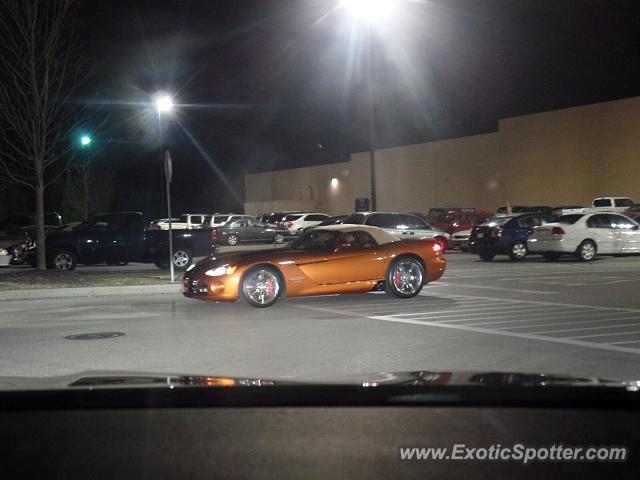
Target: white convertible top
379, 235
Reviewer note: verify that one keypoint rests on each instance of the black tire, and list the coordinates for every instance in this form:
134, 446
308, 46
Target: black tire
233, 239
518, 251
414, 279
63, 260
182, 258
551, 256
486, 256
586, 251
261, 286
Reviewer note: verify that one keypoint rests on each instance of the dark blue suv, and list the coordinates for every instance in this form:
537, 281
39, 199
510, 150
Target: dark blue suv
505, 235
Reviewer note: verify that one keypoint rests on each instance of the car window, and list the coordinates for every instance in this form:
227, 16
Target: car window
316, 218
599, 221
413, 223
385, 220
356, 218
530, 222
196, 219
569, 219
366, 240
623, 202
602, 202
220, 218
620, 221
291, 218
238, 224
320, 240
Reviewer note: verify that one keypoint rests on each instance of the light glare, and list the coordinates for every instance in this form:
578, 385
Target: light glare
85, 140
369, 11
164, 103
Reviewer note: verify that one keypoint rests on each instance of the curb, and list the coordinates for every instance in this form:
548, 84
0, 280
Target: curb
44, 293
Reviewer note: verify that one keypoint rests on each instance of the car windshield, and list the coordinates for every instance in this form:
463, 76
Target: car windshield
361, 115
569, 219
322, 240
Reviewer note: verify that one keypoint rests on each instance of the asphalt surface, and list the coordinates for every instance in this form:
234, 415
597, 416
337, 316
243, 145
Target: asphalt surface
532, 316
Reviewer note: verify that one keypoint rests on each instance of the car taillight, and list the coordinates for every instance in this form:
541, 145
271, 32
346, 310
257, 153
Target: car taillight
557, 231
496, 233
437, 248
290, 225
214, 235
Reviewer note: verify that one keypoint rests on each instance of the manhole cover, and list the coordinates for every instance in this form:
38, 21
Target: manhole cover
95, 336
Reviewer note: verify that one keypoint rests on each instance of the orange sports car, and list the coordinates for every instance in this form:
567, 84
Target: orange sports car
326, 260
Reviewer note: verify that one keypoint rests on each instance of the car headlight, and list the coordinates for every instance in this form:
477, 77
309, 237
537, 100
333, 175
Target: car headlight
3, 252
219, 271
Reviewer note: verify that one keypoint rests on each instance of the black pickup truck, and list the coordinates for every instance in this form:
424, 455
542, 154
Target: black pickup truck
121, 237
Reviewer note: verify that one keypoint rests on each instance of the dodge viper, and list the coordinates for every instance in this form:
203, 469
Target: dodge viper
327, 260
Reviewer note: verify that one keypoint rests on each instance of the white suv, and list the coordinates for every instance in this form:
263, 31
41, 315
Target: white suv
297, 222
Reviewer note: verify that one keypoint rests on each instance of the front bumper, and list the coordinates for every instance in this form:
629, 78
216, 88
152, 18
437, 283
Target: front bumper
459, 243
5, 260
223, 288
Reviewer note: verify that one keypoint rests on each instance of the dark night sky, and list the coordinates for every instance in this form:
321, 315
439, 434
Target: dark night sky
274, 83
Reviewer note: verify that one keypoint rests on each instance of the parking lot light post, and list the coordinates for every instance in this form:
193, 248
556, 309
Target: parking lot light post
164, 105
370, 13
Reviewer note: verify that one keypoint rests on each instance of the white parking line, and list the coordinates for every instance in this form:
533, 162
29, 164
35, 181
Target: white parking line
527, 336
581, 329
485, 287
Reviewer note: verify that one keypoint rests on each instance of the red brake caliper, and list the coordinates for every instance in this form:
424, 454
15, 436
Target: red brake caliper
270, 287
396, 279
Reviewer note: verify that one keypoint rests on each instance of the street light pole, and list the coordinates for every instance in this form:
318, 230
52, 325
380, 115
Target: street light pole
372, 121
164, 104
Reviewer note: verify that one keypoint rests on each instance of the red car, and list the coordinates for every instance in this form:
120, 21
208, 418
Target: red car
459, 219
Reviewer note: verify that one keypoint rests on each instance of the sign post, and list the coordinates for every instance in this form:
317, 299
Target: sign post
168, 173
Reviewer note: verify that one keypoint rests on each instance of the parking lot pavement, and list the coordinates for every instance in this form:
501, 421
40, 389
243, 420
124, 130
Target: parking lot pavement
529, 316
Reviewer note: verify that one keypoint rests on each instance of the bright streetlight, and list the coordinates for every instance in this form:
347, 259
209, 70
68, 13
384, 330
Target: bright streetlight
164, 103
370, 11
85, 140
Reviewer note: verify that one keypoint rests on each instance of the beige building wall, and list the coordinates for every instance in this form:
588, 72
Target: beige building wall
565, 156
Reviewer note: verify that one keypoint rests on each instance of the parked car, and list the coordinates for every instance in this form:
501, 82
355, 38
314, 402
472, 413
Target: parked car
460, 240
402, 225
121, 237
297, 222
275, 218
186, 221
326, 260
337, 220
505, 235
633, 212
613, 204
20, 241
567, 210
5, 258
248, 230
163, 223
586, 235
460, 219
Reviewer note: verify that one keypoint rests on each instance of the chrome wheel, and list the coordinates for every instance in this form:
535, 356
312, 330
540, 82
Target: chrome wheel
261, 287
407, 277
181, 259
279, 238
232, 240
587, 251
518, 251
63, 261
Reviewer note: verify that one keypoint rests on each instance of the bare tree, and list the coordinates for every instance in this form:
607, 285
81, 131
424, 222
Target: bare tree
39, 72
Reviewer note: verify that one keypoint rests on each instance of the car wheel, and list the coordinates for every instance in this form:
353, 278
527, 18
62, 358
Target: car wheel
486, 256
586, 251
260, 286
64, 260
278, 238
182, 258
405, 277
518, 251
232, 239
551, 256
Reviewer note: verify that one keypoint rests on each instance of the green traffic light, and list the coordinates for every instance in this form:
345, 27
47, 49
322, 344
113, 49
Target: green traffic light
85, 140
